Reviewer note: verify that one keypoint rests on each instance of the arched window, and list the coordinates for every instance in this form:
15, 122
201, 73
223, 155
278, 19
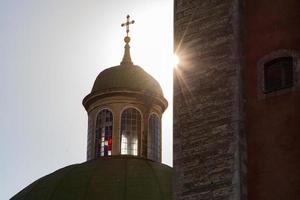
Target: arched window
277, 73
104, 126
130, 130
154, 138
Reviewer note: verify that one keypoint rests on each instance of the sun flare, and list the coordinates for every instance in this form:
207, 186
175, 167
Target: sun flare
176, 60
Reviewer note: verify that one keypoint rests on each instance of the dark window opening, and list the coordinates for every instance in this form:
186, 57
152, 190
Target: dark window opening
278, 74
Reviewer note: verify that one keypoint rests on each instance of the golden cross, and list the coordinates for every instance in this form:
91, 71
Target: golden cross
127, 23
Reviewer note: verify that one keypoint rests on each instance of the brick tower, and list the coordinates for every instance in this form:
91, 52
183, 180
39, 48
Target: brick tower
236, 99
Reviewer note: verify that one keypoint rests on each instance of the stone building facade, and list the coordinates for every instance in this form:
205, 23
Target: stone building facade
236, 99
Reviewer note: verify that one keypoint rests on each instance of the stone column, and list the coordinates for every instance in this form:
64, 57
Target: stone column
116, 147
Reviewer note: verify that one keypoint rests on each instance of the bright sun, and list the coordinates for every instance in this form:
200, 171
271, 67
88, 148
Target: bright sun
176, 60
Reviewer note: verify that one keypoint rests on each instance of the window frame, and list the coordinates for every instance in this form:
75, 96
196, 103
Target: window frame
96, 129
139, 134
159, 148
261, 89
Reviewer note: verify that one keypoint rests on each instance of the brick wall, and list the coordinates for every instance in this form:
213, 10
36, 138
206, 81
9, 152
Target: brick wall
209, 141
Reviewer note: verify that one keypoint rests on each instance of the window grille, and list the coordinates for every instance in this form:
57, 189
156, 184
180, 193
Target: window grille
154, 139
104, 127
130, 130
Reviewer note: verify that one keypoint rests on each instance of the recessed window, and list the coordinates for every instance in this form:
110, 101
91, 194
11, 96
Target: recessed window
278, 74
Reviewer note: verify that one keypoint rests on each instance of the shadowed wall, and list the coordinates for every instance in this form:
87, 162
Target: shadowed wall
272, 123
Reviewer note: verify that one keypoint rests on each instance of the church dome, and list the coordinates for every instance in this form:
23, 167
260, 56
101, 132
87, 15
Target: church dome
127, 77
126, 80
113, 178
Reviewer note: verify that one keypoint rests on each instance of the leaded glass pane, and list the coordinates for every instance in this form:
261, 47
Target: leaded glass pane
154, 139
130, 130
103, 140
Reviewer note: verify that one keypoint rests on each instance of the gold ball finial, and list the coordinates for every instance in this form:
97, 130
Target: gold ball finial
127, 39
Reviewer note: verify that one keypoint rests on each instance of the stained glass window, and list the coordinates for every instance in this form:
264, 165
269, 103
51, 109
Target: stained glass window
103, 140
130, 130
154, 139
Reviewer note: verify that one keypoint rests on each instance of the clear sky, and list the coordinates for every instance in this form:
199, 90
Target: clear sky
50, 54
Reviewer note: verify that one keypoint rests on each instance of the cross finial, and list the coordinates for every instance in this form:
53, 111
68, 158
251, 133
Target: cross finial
127, 23
126, 58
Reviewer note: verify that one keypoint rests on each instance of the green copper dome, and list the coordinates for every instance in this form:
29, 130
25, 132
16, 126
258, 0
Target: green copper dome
127, 77
107, 178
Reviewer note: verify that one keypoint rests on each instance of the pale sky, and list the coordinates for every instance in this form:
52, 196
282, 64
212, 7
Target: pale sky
50, 54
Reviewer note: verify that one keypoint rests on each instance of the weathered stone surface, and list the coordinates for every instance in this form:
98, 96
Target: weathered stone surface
209, 143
